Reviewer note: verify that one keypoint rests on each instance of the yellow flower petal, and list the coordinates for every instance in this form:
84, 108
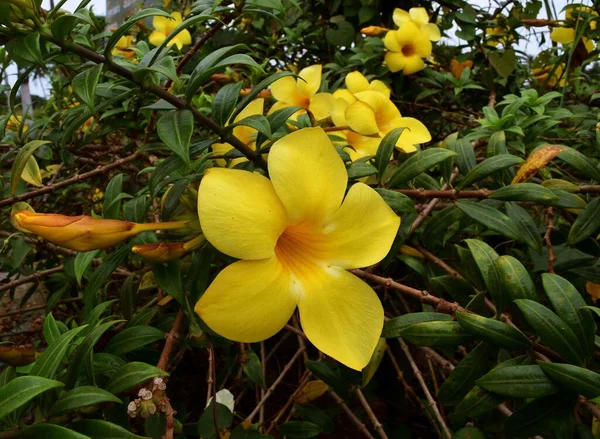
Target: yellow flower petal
312, 80
221, 148
284, 89
240, 213
184, 37
377, 85
356, 82
415, 132
160, 23
248, 301
395, 61
362, 231
361, 118
157, 37
414, 64
419, 16
432, 32
32, 174
362, 146
308, 175
321, 105
338, 114
253, 108
391, 41
563, 35
342, 316
400, 17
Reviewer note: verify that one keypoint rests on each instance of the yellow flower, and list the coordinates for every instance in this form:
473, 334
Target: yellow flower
164, 26
296, 236
83, 233
419, 17
124, 47
362, 146
566, 35
541, 75
375, 115
407, 47
303, 92
14, 123
244, 133
356, 82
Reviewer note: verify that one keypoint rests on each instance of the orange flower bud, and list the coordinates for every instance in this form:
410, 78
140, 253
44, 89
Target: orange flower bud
160, 251
262, 94
373, 31
457, 67
83, 233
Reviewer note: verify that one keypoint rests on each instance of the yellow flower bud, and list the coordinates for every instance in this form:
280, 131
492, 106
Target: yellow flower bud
160, 252
373, 31
83, 233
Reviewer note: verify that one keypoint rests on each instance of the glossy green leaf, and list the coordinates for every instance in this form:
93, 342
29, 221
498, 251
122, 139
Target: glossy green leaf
82, 262
224, 102
418, 164
300, 429
392, 328
133, 338
51, 431
525, 192
206, 423
47, 364
97, 429
573, 378
436, 334
175, 129
21, 390
488, 167
514, 278
253, 368
493, 331
484, 257
518, 382
132, 375
579, 161
586, 224
491, 218
525, 225
21, 162
83, 396
385, 150
369, 370
85, 84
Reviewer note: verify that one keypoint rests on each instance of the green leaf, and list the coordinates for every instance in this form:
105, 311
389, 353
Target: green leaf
168, 277
436, 334
93, 317
515, 279
51, 431
257, 121
82, 261
133, 338
132, 375
327, 372
26, 50
463, 377
491, 218
465, 160
85, 83
373, 365
206, 423
300, 429
132, 21
469, 433
165, 66
398, 202
84, 351
256, 90
586, 223
553, 331
568, 304
538, 416
341, 32
47, 364
224, 102
51, 330
518, 382
525, 192
525, 225
440, 223
113, 197
253, 368
359, 170
418, 164
493, 331
581, 162
484, 257
175, 129
488, 167
503, 62
496, 144
98, 429
21, 162
573, 378
392, 328
83, 396
21, 390
385, 150
63, 26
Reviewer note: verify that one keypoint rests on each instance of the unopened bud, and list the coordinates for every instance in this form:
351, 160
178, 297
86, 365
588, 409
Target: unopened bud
160, 252
373, 31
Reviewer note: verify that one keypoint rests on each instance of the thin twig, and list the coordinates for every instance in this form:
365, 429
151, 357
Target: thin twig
594, 410
549, 229
31, 278
376, 424
361, 427
37, 308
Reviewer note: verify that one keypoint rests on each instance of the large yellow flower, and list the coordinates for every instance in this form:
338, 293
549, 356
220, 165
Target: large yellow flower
541, 75
296, 236
407, 47
244, 133
124, 47
303, 92
566, 35
419, 17
356, 82
164, 26
375, 115
361, 146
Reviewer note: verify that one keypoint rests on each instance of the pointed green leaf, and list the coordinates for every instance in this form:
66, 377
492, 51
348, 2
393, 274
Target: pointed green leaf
515, 279
573, 378
83, 396
392, 328
586, 223
491, 218
484, 257
436, 334
51, 431
21, 390
525, 192
488, 167
385, 150
525, 225
175, 128
21, 162
493, 331
518, 382
133, 338
47, 364
132, 375
98, 429
85, 83
418, 164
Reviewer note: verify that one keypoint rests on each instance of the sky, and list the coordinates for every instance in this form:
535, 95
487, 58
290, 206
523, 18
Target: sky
39, 86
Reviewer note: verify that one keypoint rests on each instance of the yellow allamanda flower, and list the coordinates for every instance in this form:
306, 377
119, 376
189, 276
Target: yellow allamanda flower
420, 18
296, 236
541, 75
164, 26
244, 133
124, 47
83, 233
356, 82
407, 47
14, 123
289, 92
361, 146
566, 35
375, 115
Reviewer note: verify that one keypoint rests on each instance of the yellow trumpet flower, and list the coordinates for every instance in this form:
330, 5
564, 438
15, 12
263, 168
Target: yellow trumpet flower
244, 133
356, 82
84, 233
164, 26
407, 47
296, 236
420, 18
124, 47
303, 92
566, 35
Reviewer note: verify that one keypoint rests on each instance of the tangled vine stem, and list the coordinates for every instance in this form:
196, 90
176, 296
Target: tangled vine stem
479, 194
361, 427
160, 92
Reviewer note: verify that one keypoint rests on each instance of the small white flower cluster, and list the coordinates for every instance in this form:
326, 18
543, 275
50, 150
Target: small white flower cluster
149, 400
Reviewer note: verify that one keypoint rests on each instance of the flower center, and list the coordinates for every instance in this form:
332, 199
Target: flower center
298, 250
408, 50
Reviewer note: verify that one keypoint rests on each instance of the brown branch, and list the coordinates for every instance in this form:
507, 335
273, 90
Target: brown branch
549, 229
376, 424
361, 427
271, 389
289, 402
31, 278
430, 400
36, 308
594, 410
77, 178
478, 194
